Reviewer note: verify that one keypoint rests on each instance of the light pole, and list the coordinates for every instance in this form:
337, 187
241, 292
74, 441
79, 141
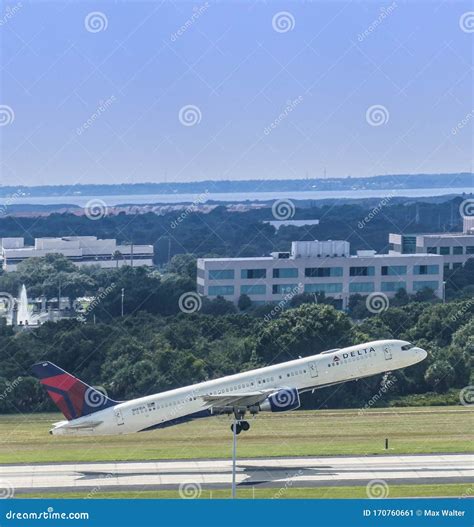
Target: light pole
122, 295
234, 458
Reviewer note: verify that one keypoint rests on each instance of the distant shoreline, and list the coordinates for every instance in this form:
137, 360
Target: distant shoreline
77, 202
449, 182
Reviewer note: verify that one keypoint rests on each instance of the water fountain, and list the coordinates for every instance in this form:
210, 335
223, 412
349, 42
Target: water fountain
24, 316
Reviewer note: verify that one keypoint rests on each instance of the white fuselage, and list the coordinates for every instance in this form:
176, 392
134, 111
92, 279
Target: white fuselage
175, 406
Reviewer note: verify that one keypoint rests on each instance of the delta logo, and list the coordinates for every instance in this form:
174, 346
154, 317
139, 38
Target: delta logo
336, 359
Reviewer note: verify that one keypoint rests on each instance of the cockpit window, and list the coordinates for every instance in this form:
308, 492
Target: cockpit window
407, 347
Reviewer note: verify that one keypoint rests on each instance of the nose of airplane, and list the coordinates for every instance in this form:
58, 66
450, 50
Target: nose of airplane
420, 353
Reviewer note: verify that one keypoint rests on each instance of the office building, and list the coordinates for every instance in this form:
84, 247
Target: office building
315, 267
455, 247
81, 250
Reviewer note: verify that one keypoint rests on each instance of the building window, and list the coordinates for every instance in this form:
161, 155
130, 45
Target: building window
257, 289
444, 250
408, 244
394, 270
253, 273
419, 286
457, 265
425, 269
470, 249
457, 249
362, 271
432, 250
221, 274
221, 290
361, 287
285, 272
283, 289
393, 286
323, 288
322, 272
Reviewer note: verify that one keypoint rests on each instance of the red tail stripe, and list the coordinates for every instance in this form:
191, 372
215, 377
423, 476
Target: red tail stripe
62, 382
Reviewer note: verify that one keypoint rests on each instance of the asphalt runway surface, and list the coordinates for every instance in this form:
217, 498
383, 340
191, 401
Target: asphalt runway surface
217, 473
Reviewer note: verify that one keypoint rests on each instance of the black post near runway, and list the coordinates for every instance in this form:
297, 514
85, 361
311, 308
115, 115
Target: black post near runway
234, 458
386, 443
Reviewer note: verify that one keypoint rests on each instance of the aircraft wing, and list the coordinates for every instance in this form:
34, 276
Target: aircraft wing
238, 399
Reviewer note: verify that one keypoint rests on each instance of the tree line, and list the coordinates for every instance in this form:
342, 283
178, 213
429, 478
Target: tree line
145, 353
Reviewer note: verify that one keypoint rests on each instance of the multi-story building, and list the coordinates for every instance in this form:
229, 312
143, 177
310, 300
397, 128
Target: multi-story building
316, 266
455, 247
81, 250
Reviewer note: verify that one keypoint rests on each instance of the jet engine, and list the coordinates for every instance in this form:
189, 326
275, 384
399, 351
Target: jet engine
282, 401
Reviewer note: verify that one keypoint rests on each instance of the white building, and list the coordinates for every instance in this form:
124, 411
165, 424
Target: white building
316, 266
291, 223
81, 250
455, 247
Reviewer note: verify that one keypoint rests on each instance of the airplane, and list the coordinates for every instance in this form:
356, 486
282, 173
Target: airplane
276, 388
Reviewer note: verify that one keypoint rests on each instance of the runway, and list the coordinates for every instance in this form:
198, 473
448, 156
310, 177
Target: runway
215, 473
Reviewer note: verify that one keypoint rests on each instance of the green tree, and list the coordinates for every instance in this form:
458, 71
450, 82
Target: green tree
440, 376
244, 302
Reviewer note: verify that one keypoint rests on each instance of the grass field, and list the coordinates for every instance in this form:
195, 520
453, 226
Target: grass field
25, 438
395, 491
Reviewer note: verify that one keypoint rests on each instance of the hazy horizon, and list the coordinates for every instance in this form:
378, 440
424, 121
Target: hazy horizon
112, 93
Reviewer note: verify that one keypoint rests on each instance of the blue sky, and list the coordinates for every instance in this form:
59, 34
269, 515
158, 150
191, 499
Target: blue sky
92, 92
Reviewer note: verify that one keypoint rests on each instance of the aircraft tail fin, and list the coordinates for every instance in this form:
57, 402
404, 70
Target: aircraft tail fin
72, 396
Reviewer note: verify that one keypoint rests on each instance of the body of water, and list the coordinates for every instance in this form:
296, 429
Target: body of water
202, 197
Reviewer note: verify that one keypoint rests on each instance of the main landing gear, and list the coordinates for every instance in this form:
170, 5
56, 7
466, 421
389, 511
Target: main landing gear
240, 426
